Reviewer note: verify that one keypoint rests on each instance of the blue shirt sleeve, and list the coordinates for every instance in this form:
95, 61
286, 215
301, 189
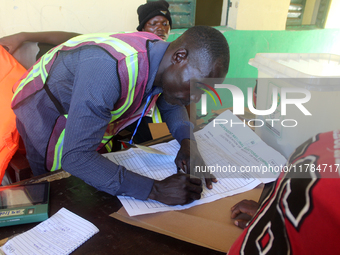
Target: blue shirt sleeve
177, 120
95, 91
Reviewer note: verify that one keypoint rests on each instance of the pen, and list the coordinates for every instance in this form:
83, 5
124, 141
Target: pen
180, 170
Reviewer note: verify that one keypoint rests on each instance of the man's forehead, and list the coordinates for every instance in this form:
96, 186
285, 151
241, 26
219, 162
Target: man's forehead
204, 62
212, 71
218, 70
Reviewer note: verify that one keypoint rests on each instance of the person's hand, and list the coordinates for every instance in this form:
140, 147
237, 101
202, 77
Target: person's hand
177, 189
191, 162
12, 42
243, 211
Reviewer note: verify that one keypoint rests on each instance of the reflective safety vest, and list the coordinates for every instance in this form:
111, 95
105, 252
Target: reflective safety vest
130, 51
10, 72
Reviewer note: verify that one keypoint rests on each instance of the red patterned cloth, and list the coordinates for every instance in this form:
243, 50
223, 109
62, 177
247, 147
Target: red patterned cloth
302, 213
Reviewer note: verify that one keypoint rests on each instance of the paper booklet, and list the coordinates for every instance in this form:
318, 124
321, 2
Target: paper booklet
240, 160
60, 234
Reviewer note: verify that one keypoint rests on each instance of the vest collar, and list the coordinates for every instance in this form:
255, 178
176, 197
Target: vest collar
156, 53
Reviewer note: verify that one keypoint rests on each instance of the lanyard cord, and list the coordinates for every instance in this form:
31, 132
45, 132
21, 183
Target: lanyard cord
140, 119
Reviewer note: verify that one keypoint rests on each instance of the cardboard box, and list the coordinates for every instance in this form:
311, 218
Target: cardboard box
208, 225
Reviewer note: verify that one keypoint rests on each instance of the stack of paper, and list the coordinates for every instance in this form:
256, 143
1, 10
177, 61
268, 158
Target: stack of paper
60, 234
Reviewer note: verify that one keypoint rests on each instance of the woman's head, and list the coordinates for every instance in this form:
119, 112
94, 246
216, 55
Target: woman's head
155, 17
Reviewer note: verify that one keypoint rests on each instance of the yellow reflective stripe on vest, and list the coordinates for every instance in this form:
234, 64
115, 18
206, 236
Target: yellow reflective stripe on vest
58, 151
106, 139
156, 115
39, 69
120, 46
109, 146
131, 62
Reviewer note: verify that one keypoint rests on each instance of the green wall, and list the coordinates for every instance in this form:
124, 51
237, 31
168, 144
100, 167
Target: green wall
245, 44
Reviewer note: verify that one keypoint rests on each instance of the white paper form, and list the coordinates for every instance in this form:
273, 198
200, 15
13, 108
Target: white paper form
227, 142
221, 146
155, 166
158, 167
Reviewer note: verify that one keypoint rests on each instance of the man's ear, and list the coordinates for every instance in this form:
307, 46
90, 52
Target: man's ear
179, 55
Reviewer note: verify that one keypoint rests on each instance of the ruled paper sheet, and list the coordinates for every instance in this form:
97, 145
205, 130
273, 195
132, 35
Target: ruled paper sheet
159, 167
60, 234
219, 145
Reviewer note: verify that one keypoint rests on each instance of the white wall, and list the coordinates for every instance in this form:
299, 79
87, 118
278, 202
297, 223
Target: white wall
333, 18
258, 14
82, 16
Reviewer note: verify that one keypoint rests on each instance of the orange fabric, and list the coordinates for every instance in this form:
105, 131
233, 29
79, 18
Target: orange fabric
10, 72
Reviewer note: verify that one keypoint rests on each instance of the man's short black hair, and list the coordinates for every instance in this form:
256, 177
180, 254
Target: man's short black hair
210, 41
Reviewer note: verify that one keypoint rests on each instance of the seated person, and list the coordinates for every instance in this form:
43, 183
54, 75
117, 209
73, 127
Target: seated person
78, 96
300, 215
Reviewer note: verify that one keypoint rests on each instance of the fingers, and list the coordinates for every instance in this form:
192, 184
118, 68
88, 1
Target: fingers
186, 168
178, 189
209, 179
236, 205
195, 180
236, 211
241, 223
248, 207
181, 166
243, 212
208, 183
192, 197
195, 188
